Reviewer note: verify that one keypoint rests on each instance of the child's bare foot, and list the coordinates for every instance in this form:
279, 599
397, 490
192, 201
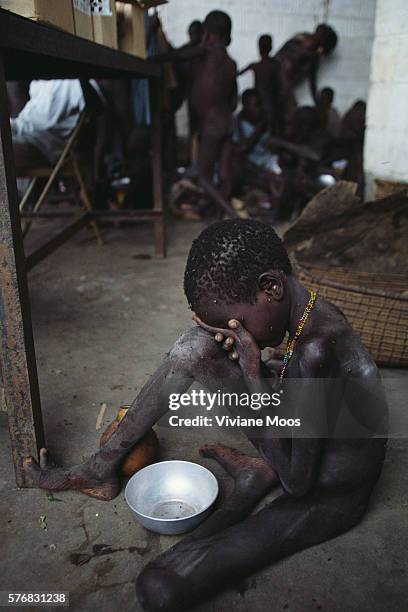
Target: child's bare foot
47, 475
254, 470
164, 582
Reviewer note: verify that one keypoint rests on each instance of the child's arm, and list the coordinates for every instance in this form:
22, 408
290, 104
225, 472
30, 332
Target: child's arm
314, 66
184, 54
250, 142
295, 459
249, 67
302, 151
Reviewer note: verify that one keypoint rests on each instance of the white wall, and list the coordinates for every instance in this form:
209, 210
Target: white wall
386, 148
347, 70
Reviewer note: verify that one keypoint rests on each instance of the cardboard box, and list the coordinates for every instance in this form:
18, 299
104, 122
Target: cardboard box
104, 22
57, 13
83, 18
131, 25
131, 29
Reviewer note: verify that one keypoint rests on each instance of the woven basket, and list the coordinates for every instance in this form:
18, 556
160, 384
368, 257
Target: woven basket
376, 307
383, 189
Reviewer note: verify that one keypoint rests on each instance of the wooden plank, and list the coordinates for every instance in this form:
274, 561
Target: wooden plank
32, 50
144, 214
18, 364
56, 241
139, 214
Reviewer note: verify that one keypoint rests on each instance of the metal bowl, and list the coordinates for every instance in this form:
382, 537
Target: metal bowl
171, 497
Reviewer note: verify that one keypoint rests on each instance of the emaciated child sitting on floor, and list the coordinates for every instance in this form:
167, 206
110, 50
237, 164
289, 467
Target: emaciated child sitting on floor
239, 283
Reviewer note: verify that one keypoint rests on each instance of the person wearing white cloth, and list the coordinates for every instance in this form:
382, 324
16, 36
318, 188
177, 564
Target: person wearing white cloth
47, 119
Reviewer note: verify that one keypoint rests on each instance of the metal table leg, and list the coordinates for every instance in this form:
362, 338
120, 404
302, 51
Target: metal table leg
159, 224
17, 355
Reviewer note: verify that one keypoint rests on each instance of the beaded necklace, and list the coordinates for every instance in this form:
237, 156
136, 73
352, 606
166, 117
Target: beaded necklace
292, 343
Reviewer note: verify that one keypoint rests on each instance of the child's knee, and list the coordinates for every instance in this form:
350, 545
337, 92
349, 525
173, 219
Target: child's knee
194, 345
159, 590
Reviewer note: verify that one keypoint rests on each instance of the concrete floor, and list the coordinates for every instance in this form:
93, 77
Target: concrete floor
103, 317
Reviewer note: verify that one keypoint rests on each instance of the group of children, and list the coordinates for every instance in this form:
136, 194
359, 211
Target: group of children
272, 147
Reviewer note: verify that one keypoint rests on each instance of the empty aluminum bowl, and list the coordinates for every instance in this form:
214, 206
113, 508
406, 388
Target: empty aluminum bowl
171, 497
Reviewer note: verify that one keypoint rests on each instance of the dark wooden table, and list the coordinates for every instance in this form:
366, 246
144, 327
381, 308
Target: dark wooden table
29, 50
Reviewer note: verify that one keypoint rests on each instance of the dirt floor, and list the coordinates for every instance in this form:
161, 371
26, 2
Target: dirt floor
103, 318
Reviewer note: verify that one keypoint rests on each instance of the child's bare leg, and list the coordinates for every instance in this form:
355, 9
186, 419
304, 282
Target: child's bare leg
98, 476
187, 361
226, 168
212, 140
197, 567
208, 150
253, 478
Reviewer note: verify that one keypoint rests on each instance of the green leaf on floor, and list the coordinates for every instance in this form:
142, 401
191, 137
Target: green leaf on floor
51, 498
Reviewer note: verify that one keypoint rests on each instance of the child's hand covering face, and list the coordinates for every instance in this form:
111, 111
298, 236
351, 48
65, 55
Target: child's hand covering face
239, 343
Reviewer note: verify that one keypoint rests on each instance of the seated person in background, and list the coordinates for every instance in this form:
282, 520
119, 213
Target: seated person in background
329, 116
304, 128
253, 162
266, 73
300, 161
345, 153
240, 284
42, 127
122, 160
251, 133
299, 59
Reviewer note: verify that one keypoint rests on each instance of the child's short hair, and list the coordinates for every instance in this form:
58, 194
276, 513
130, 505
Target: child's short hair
327, 37
227, 258
219, 23
195, 27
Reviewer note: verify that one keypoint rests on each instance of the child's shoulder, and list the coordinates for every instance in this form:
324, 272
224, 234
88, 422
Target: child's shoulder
332, 343
332, 324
